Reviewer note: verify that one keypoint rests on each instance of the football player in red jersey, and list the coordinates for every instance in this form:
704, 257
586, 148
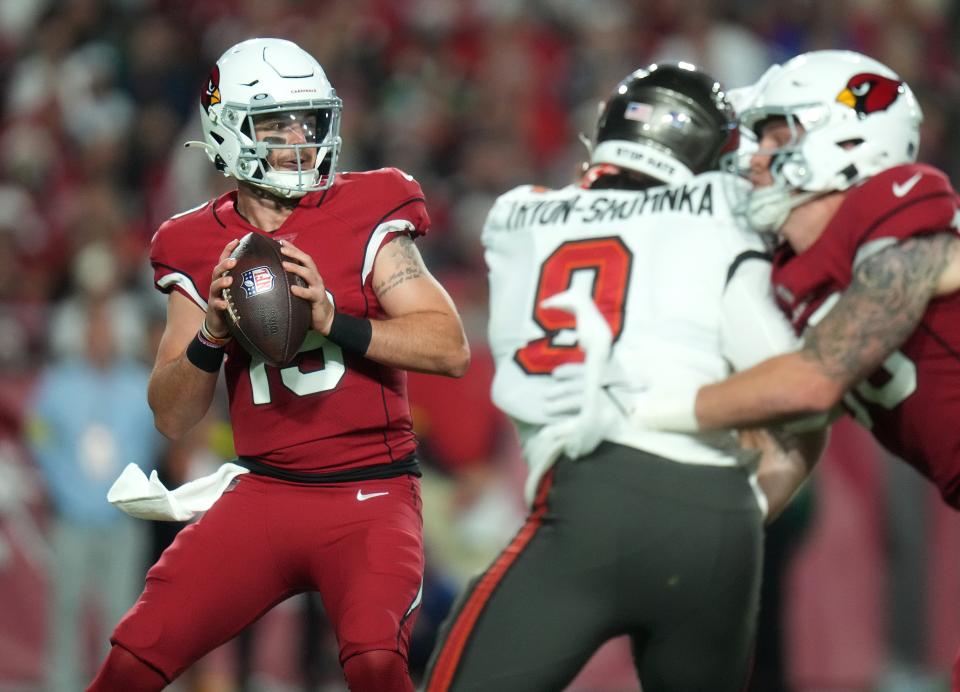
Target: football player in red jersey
331, 502
869, 272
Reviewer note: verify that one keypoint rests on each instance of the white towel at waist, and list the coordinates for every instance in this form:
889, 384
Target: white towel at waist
145, 498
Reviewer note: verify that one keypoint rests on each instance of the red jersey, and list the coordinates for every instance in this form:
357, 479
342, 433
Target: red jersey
912, 403
329, 410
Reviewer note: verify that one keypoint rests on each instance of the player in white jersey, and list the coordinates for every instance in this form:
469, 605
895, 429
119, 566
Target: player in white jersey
650, 534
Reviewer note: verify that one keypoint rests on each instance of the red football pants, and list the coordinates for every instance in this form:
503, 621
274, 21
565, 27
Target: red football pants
266, 540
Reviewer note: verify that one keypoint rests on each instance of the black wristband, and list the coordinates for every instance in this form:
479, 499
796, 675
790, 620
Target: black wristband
206, 357
351, 332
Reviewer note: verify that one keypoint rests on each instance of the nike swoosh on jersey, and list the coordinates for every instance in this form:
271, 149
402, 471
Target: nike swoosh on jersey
361, 497
901, 189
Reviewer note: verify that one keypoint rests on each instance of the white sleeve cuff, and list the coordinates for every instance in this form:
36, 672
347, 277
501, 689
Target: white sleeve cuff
673, 411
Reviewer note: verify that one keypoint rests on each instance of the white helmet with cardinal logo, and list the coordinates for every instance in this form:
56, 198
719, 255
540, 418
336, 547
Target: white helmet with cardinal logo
271, 77
850, 117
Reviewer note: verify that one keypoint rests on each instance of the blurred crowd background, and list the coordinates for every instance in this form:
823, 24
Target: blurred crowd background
471, 97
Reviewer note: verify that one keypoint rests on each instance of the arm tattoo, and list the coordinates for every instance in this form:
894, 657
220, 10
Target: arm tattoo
880, 309
407, 262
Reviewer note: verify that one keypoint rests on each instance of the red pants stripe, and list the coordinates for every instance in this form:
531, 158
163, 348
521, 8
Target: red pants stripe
448, 658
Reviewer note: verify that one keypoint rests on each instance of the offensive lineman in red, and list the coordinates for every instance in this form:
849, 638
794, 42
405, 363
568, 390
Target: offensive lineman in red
869, 272
332, 501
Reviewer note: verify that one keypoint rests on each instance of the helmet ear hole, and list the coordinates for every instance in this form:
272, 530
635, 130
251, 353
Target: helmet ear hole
218, 161
850, 143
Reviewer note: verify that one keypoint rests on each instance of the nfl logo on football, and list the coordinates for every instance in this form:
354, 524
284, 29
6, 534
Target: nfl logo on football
257, 280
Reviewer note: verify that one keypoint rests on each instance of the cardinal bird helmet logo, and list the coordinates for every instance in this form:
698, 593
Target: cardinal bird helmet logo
868, 93
211, 93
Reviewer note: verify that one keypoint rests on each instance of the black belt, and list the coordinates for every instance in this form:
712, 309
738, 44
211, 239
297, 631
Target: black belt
408, 466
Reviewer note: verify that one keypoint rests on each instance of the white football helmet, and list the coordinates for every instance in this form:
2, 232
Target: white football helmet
263, 77
850, 118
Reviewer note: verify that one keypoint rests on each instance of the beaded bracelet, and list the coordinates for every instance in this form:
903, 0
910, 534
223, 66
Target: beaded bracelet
215, 340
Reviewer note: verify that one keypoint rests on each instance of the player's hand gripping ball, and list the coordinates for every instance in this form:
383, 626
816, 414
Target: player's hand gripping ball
262, 314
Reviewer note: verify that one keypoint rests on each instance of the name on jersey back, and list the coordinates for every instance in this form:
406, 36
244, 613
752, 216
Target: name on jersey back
589, 207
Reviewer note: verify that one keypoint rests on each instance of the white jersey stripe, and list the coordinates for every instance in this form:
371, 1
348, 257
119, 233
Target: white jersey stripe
373, 245
183, 282
190, 211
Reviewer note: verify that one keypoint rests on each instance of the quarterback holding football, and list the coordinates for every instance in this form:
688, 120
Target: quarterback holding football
328, 498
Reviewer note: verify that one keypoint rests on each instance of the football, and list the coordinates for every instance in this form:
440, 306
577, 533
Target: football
262, 314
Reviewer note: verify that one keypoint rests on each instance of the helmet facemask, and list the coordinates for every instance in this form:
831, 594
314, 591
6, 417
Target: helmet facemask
766, 208
288, 150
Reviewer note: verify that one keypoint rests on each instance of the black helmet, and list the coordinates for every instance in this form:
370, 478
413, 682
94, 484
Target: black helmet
668, 122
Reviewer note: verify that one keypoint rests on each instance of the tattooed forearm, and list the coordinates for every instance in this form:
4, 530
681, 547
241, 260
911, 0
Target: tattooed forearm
880, 308
406, 262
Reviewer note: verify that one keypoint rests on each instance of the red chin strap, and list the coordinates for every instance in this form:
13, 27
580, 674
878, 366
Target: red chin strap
597, 171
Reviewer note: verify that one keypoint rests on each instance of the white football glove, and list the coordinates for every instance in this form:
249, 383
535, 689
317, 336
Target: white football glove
565, 391
590, 422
